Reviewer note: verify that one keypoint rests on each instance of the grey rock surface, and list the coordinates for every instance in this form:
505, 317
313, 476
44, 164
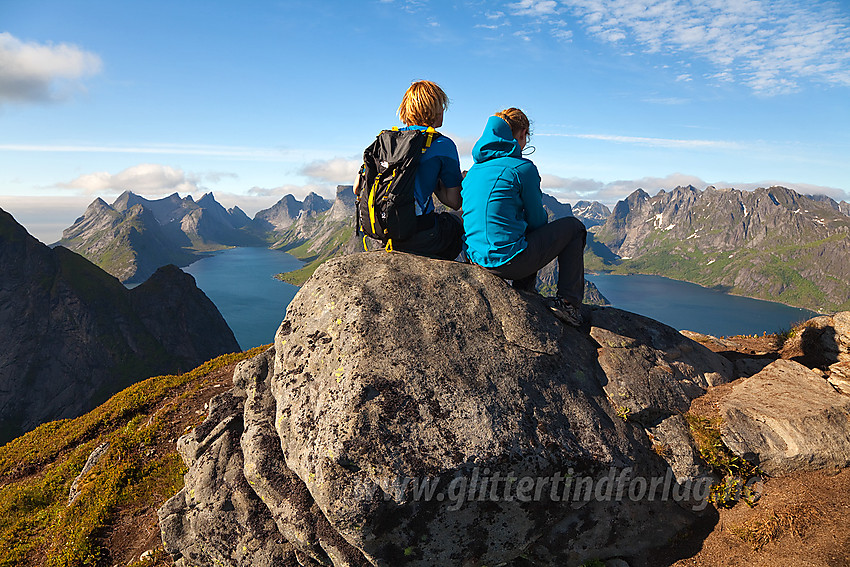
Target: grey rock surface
652, 371
787, 418
394, 373
216, 519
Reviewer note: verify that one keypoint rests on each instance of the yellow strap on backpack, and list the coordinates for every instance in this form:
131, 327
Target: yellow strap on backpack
430, 130
389, 246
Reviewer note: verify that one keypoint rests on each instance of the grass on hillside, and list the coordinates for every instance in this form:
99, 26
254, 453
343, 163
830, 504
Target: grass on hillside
315, 258
37, 526
685, 261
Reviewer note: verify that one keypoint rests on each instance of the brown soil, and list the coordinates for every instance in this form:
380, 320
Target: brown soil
800, 520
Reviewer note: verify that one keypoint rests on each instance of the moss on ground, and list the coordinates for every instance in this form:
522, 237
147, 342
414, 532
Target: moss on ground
37, 526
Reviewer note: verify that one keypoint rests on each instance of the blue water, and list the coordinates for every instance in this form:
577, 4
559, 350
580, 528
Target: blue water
685, 305
241, 283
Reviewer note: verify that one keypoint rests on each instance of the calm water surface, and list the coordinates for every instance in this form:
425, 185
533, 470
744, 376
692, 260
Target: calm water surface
685, 305
241, 283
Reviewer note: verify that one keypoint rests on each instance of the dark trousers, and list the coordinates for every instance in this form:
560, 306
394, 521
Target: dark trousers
564, 239
440, 237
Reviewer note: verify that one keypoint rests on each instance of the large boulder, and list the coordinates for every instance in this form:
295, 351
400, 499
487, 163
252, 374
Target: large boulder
392, 369
420, 412
787, 418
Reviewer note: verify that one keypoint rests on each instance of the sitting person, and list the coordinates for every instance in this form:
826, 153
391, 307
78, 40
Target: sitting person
438, 173
506, 225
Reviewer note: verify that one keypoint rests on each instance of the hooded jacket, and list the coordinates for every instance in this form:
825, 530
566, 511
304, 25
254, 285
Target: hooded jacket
501, 198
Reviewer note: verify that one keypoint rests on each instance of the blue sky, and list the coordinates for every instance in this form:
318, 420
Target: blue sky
253, 100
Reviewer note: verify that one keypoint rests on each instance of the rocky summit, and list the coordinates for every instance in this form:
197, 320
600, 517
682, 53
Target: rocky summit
421, 412
73, 335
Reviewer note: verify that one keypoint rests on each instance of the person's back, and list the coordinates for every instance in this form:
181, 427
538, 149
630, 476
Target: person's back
438, 173
506, 225
501, 197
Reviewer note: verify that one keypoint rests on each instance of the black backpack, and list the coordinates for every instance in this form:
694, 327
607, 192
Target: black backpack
386, 207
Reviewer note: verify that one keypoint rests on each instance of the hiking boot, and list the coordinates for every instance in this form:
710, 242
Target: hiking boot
564, 311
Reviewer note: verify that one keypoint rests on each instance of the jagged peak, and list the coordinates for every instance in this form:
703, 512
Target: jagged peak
684, 188
97, 206
315, 203
638, 194
207, 198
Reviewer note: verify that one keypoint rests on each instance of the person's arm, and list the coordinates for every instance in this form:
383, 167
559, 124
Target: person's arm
532, 197
449, 196
357, 186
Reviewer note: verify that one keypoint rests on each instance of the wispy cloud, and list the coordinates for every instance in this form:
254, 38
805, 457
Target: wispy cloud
143, 178
33, 72
534, 7
234, 152
654, 142
337, 170
772, 46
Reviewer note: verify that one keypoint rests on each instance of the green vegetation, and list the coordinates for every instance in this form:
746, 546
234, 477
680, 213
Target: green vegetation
774, 274
316, 253
734, 470
140, 468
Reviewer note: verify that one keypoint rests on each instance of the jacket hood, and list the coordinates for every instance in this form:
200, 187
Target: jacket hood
496, 141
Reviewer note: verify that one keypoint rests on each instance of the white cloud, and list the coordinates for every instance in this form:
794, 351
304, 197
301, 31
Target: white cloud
654, 142
577, 189
337, 170
772, 46
534, 7
33, 72
297, 191
148, 178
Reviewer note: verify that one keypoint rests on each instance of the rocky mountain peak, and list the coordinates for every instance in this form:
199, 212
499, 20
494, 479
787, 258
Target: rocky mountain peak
57, 309
208, 201
591, 213
344, 204
314, 203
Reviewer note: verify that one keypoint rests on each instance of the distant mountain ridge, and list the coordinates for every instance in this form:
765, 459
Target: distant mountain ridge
771, 243
73, 335
134, 236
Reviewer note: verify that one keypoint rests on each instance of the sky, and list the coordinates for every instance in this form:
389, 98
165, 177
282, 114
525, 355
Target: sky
254, 100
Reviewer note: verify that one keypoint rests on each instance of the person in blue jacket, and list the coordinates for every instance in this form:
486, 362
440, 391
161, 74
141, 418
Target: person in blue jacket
505, 223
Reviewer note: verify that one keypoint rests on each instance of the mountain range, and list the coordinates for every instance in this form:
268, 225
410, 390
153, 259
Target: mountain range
769, 243
73, 335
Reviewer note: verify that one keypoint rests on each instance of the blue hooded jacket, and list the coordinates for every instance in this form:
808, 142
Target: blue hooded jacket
501, 198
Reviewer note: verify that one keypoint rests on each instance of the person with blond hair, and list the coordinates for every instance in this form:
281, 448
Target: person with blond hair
438, 173
507, 228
